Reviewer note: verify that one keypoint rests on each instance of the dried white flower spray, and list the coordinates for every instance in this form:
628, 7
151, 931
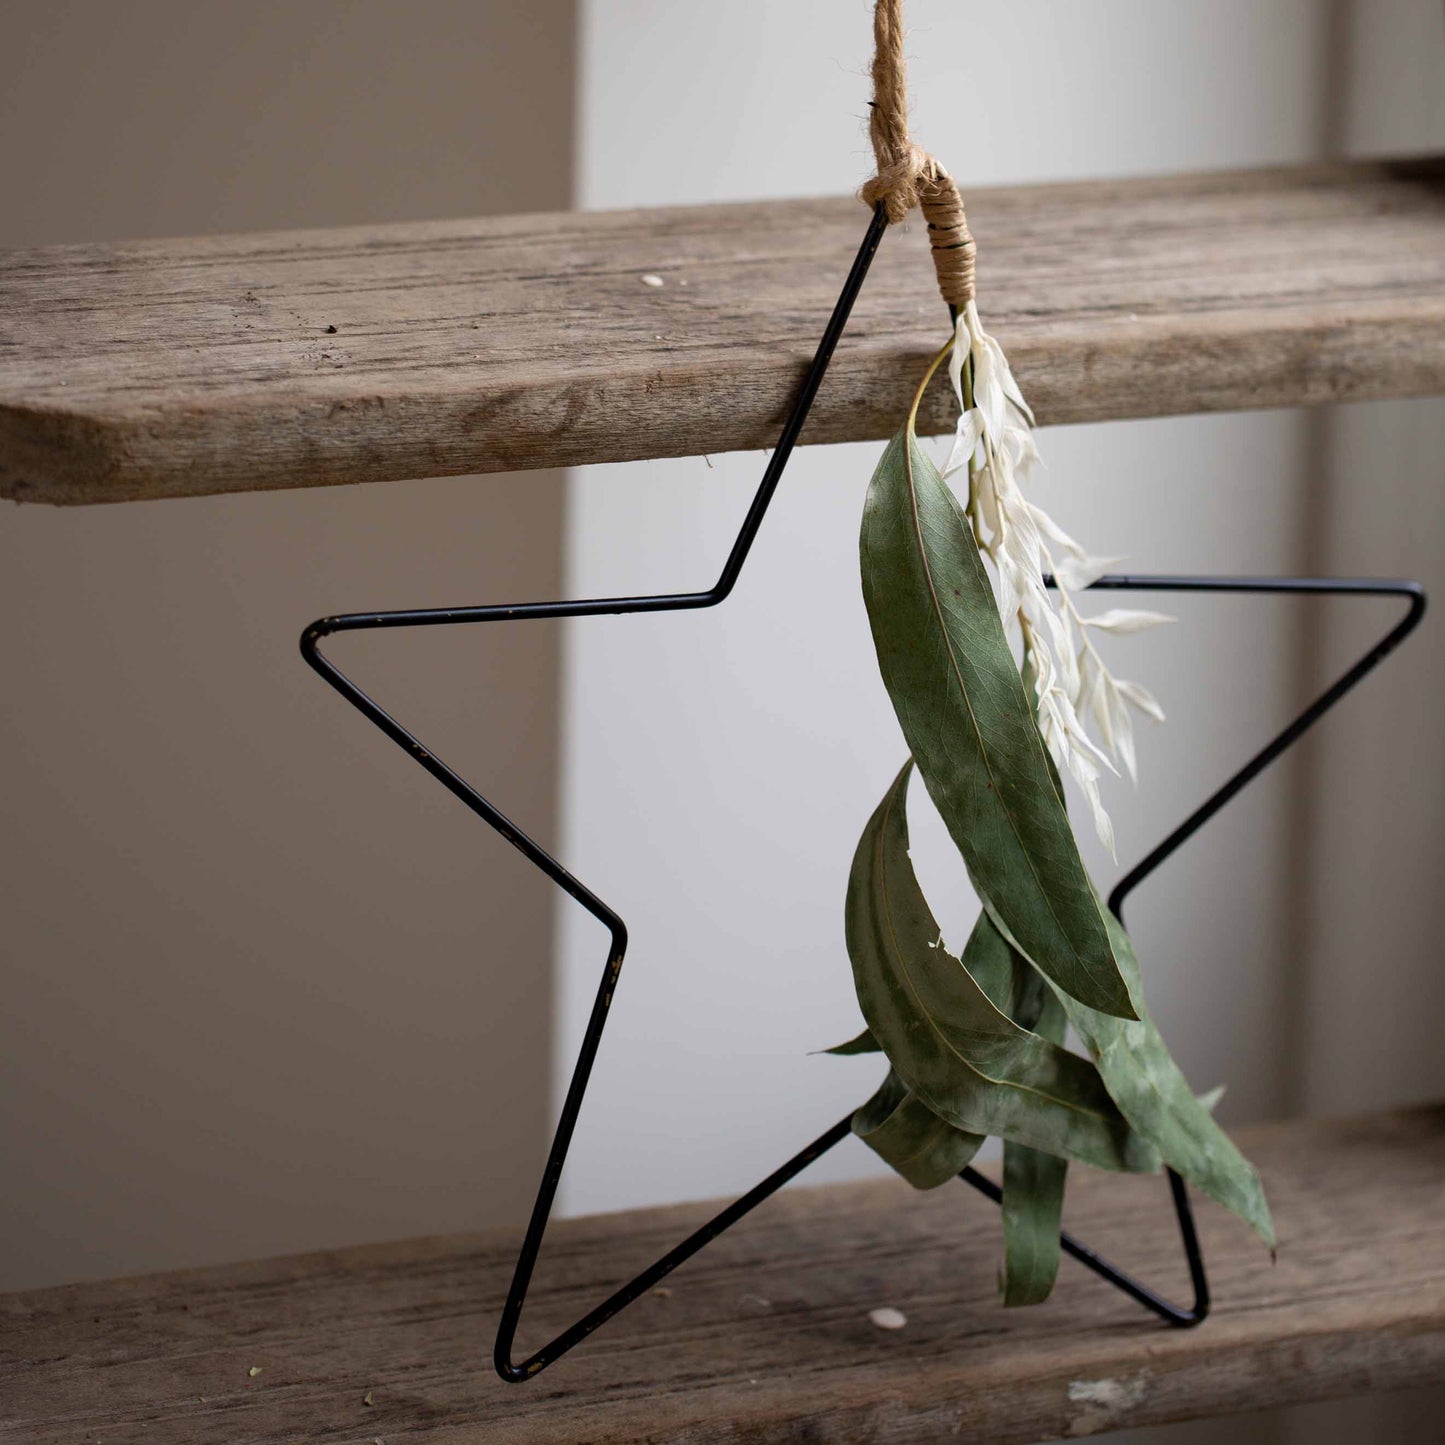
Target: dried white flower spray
994, 442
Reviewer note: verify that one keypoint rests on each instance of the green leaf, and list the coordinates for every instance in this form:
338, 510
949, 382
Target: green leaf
970, 725
1154, 1096
903, 1131
950, 1045
1033, 1207
992, 969
1033, 1182
865, 1043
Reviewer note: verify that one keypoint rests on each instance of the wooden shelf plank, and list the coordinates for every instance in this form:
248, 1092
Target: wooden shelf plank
177, 368
765, 1336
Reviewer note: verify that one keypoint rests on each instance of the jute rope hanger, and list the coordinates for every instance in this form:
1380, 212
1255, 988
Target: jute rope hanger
907, 175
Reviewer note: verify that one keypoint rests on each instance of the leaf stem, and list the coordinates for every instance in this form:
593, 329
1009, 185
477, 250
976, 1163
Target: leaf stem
975, 509
923, 385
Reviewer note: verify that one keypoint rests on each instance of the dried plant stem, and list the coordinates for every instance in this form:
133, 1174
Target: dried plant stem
923, 385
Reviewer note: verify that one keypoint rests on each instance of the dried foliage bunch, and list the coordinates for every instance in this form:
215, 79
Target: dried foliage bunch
975, 1044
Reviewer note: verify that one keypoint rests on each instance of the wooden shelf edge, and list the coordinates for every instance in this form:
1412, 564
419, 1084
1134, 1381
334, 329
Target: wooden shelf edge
183, 368
765, 1336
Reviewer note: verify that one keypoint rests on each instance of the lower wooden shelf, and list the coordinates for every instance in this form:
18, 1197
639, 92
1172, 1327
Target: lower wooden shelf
765, 1336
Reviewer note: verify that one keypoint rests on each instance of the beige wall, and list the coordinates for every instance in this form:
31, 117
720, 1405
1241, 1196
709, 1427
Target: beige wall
254, 962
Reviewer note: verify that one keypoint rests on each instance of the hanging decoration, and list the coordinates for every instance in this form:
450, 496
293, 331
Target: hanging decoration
975, 1043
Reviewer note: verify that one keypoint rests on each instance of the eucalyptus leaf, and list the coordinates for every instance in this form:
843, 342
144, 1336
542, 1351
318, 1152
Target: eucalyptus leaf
865, 1043
1033, 1208
1033, 1181
1031, 1003
992, 969
906, 1134
1154, 1096
1143, 1078
970, 725
966, 1060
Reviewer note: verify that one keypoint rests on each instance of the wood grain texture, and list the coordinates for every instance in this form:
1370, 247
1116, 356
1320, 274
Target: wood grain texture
765, 1336
177, 368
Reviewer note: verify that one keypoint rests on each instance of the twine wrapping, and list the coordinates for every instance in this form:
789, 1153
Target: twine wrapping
907, 175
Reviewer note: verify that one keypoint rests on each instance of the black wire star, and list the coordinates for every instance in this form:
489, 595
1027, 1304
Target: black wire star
311, 638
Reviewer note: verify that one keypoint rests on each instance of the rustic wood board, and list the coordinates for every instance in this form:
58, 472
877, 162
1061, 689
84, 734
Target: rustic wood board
176, 368
765, 1336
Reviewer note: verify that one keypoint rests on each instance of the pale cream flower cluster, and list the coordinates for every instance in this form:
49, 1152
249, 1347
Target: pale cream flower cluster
995, 443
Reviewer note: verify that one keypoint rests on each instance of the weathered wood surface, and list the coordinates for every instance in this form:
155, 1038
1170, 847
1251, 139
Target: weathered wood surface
175, 368
765, 1336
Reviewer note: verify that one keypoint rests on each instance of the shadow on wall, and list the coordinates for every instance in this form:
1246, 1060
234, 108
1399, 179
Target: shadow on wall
256, 963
